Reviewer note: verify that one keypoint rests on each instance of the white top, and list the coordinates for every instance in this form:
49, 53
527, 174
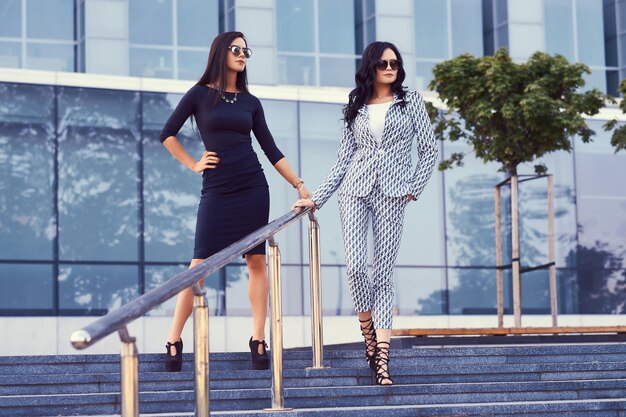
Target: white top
377, 113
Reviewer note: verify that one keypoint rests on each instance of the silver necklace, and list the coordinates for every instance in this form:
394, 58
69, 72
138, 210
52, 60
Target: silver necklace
231, 101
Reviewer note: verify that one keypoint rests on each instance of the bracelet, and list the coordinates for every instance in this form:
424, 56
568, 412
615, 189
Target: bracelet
299, 181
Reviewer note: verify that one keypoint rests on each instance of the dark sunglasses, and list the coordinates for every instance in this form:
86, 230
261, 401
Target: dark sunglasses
236, 50
382, 64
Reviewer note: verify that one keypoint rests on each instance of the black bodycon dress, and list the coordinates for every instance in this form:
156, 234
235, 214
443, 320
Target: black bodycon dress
235, 197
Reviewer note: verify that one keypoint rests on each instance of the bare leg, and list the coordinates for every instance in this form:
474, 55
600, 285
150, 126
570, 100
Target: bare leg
384, 336
257, 291
184, 305
365, 321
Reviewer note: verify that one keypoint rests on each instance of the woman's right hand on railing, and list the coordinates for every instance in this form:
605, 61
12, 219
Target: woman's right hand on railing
209, 160
303, 203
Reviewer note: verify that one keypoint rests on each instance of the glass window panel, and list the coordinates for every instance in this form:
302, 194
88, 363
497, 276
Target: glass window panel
470, 224
282, 120
336, 298
340, 17
26, 287
601, 290
567, 291
621, 14
431, 29
50, 57
191, 64
50, 19
610, 33
612, 81
467, 27
197, 22
337, 72
157, 275
10, 54
602, 224
98, 178
590, 26
597, 79
150, 22
559, 28
420, 291
423, 74
96, 289
11, 18
473, 290
294, 21
320, 134
156, 63
27, 227
298, 70
502, 37
501, 11
171, 191
536, 292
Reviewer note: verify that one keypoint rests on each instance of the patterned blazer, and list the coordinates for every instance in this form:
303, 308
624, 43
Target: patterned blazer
361, 160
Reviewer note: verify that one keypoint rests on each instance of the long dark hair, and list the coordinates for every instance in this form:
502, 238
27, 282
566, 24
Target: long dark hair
365, 78
215, 72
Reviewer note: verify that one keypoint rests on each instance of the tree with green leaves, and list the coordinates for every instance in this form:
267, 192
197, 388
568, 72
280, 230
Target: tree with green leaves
512, 113
618, 140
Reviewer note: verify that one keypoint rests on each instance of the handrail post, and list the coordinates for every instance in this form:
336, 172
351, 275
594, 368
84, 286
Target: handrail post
129, 375
551, 251
201, 350
499, 283
276, 329
515, 254
317, 333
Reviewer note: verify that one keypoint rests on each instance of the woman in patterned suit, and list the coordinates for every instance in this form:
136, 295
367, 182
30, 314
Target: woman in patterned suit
376, 180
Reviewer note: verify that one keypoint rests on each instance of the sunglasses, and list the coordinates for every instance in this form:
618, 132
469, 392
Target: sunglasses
236, 50
382, 64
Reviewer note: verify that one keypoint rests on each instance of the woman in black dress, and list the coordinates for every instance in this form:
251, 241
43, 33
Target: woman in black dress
235, 195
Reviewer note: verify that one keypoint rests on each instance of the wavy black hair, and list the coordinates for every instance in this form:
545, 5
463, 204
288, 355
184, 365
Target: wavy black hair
215, 72
365, 78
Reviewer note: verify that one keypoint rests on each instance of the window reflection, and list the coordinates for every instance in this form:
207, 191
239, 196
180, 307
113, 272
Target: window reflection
27, 227
431, 30
11, 19
150, 22
98, 178
51, 57
197, 22
26, 289
420, 291
157, 63
294, 25
10, 54
96, 289
296, 70
50, 19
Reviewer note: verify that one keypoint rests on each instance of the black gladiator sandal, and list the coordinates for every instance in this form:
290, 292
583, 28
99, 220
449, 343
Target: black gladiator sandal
382, 363
369, 334
260, 361
174, 363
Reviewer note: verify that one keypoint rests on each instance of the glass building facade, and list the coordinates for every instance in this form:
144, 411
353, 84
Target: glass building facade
93, 210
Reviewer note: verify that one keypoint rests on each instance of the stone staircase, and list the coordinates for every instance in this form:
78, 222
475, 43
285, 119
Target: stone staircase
489, 380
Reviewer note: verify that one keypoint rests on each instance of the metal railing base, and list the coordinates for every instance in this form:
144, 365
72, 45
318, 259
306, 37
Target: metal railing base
278, 409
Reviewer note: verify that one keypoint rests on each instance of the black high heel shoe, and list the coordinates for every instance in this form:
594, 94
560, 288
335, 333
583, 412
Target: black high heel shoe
382, 364
369, 334
260, 361
174, 363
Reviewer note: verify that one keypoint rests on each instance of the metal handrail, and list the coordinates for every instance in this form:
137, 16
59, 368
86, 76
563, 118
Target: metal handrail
119, 318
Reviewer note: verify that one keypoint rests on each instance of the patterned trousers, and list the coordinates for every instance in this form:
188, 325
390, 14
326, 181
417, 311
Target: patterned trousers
387, 215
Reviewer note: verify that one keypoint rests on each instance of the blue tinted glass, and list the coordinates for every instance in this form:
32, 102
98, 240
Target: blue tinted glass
98, 178
597, 286
197, 22
473, 290
27, 227
501, 11
191, 64
50, 57
467, 27
10, 54
320, 134
154, 63
294, 25
431, 29
590, 26
11, 18
282, 120
470, 213
296, 70
96, 288
423, 74
420, 291
158, 275
150, 22
338, 15
171, 191
25, 287
50, 19
336, 298
337, 72
597, 79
